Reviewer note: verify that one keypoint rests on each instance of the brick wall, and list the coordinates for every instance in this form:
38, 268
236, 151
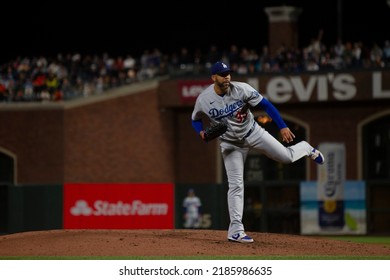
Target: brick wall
120, 137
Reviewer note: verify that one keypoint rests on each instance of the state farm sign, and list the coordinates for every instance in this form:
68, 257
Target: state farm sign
118, 206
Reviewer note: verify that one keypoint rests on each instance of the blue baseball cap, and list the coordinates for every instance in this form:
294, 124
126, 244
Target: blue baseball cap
219, 68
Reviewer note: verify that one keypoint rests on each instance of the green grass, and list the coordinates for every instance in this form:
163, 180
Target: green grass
384, 240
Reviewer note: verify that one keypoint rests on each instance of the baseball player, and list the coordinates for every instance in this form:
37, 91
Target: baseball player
230, 101
192, 207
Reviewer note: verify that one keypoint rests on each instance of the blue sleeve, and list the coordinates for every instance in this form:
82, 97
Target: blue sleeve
270, 109
197, 125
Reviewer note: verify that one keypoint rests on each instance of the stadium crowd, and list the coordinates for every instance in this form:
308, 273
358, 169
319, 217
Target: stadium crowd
73, 75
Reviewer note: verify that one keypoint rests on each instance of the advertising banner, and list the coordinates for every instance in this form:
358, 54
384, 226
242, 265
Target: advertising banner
118, 206
332, 205
189, 90
354, 218
330, 186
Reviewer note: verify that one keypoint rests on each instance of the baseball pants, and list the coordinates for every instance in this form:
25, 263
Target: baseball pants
234, 155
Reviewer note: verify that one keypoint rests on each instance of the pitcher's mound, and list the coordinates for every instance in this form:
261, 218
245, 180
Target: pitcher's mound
175, 243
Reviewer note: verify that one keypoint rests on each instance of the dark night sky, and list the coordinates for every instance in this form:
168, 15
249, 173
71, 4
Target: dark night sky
51, 27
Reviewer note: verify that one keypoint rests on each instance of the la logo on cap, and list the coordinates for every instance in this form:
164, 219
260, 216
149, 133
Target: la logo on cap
219, 67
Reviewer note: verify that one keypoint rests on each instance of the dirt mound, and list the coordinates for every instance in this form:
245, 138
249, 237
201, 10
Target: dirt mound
175, 243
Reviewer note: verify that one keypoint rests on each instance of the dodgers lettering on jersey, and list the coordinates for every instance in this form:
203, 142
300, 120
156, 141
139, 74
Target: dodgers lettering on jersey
228, 108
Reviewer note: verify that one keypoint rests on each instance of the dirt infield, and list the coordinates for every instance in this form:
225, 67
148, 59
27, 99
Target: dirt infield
175, 243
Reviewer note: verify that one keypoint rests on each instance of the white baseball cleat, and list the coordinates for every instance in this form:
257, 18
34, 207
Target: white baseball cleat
241, 238
317, 156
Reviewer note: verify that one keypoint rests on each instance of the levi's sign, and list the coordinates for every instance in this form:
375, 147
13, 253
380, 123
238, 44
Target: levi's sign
309, 88
189, 90
318, 87
118, 206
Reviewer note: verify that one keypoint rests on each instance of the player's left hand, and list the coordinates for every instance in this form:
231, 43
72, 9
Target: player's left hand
287, 135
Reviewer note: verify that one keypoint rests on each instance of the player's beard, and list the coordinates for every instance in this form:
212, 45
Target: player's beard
224, 86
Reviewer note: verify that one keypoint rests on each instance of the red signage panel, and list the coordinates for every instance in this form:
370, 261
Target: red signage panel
118, 206
189, 90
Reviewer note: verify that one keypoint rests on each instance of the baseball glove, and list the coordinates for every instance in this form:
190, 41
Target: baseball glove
214, 131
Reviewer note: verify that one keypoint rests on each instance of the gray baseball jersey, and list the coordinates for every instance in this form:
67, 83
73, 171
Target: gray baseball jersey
228, 108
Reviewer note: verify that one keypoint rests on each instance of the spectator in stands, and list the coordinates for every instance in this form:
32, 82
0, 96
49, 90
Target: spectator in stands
376, 55
386, 53
75, 75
